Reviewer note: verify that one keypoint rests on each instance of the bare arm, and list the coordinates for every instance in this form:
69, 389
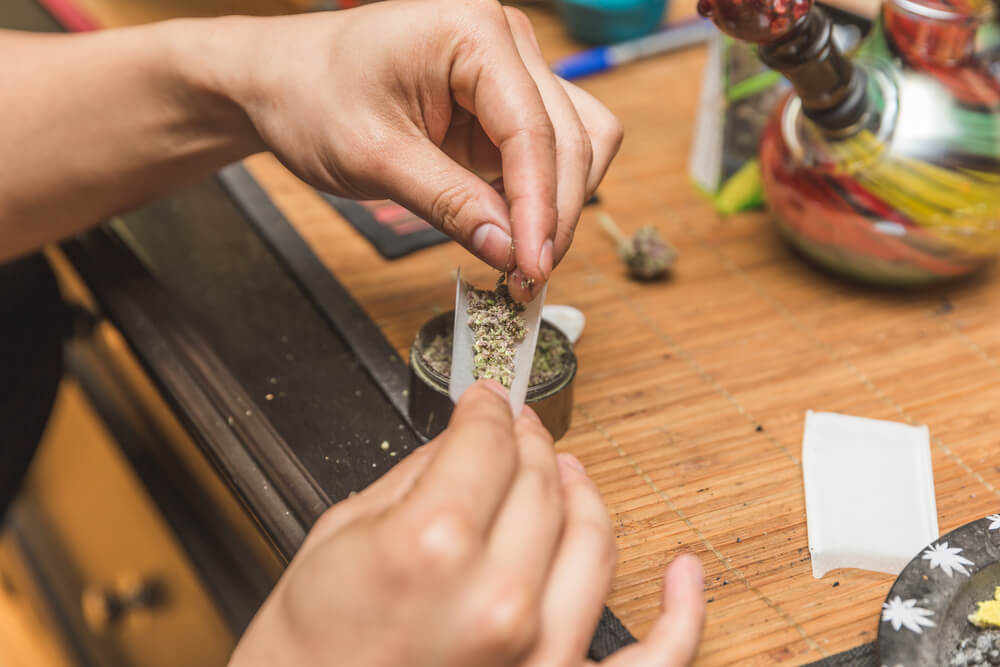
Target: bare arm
95, 124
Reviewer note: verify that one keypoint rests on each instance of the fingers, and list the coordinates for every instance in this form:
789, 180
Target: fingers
573, 146
605, 133
603, 128
463, 487
421, 177
554, 142
677, 632
467, 143
527, 530
582, 573
489, 79
673, 641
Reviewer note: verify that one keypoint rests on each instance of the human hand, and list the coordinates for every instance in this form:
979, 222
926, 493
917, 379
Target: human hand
482, 548
428, 102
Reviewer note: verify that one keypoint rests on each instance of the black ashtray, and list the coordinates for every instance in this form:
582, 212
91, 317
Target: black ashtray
431, 406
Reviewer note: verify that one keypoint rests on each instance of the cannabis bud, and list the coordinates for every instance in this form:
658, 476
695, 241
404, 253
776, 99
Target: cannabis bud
650, 257
646, 255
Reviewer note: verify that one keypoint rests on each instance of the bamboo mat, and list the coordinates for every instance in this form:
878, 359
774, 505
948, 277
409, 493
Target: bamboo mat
691, 395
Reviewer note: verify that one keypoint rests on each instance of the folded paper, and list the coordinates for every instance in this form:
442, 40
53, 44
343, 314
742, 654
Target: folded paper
462, 363
869, 492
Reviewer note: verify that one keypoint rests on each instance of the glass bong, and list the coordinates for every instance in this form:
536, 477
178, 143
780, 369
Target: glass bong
886, 165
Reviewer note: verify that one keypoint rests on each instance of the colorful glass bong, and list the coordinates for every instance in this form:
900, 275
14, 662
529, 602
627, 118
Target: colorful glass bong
885, 165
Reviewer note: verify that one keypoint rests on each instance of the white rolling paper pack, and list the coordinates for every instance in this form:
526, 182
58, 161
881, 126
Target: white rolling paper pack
462, 355
869, 490
567, 319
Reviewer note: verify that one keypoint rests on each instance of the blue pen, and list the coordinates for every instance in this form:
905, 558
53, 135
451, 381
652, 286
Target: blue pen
601, 58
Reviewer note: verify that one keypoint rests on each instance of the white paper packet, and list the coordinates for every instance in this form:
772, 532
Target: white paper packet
462, 355
567, 319
869, 492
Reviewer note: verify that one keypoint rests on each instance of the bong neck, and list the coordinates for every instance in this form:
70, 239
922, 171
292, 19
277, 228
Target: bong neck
832, 89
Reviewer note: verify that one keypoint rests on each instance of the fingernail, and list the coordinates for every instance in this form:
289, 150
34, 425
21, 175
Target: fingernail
518, 279
496, 388
535, 288
571, 462
491, 243
545, 259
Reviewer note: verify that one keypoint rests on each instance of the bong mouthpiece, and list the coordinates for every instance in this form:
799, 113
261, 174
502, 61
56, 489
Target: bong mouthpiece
758, 21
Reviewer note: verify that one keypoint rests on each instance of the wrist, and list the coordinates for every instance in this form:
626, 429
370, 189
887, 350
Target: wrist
270, 639
208, 61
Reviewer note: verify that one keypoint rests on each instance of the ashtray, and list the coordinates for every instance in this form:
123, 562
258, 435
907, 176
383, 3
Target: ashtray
925, 616
551, 397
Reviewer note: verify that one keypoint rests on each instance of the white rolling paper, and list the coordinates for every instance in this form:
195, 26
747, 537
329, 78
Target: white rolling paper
462, 356
869, 492
461, 346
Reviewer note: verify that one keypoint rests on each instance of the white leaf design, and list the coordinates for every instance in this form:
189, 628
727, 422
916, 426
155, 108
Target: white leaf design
947, 558
905, 614
994, 521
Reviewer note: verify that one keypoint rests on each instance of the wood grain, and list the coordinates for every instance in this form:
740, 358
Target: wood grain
676, 378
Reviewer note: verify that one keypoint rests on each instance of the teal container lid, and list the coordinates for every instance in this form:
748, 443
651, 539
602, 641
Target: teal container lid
611, 21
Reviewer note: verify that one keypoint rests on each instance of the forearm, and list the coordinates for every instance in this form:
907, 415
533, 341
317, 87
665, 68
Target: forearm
96, 124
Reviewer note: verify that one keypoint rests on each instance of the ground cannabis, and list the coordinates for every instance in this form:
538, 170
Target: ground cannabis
980, 649
498, 327
548, 363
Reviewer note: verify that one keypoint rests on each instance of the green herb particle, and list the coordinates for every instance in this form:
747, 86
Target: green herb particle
498, 327
549, 361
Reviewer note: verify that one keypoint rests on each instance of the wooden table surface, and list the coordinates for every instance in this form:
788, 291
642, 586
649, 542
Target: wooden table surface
691, 394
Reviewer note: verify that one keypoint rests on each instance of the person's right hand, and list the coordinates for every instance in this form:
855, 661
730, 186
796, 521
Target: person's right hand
445, 106
481, 549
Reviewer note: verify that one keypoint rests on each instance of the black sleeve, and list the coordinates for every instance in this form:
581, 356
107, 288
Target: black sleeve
33, 324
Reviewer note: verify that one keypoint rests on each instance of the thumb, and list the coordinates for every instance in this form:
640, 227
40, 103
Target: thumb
425, 180
673, 641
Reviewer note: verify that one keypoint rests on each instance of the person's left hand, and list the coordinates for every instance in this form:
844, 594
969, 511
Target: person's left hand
445, 106
481, 548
